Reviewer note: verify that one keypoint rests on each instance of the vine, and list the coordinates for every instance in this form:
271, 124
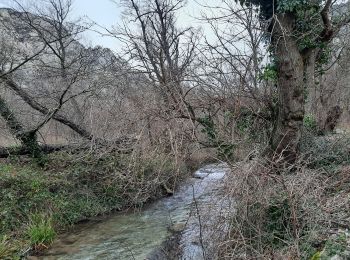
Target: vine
224, 150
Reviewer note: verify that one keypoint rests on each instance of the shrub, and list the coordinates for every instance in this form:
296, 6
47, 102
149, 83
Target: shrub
276, 215
76, 187
326, 152
336, 245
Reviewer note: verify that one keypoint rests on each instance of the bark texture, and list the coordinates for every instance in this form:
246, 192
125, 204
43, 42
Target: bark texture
332, 119
290, 61
27, 138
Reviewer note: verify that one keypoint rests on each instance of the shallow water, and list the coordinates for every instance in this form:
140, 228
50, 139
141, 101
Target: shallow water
136, 235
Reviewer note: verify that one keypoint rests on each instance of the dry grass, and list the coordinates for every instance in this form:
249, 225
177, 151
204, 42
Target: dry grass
287, 213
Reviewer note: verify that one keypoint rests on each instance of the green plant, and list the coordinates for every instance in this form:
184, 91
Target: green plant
316, 256
290, 5
224, 150
278, 221
327, 152
269, 73
310, 123
40, 231
72, 188
209, 128
334, 246
244, 123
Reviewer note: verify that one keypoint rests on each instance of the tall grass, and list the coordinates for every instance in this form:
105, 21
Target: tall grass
40, 231
7, 249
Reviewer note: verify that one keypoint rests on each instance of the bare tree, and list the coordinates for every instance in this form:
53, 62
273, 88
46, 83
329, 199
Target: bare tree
63, 66
232, 65
161, 50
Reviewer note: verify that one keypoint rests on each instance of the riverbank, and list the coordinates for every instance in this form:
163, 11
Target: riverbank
168, 228
37, 203
291, 211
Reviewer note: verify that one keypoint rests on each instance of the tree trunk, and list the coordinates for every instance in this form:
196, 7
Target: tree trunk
285, 140
27, 138
44, 110
332, 119
310, 85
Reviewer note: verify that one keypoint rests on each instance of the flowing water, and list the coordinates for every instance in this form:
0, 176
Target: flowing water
136, 235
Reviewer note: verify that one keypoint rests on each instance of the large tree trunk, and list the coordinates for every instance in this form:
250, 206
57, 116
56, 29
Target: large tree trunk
27, 138
310, 85
285, 140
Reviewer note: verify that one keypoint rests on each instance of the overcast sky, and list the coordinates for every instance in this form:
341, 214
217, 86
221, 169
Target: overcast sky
108, 13
103, 12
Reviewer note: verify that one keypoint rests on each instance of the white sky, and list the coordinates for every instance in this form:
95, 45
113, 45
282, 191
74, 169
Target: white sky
105, 13
108, 13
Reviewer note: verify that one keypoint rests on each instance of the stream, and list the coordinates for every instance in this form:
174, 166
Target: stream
140, 235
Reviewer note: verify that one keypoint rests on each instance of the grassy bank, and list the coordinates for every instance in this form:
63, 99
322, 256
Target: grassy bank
38, 202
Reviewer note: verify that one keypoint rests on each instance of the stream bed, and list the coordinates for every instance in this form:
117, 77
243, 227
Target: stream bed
138, 235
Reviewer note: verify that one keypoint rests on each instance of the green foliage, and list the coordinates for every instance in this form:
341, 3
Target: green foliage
308, 26
310, 123
307, 43
316, 256
277, 221
245, 122
334, 246
23, 190
209, 128
72, 188
40, 231
266, 7
224, 150
327, 152
269, 73
308, 21
324, 56
290, 6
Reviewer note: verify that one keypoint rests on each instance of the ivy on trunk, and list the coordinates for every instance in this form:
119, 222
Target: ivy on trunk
27, 138
300, 31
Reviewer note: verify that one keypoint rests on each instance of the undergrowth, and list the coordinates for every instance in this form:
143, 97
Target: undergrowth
291, 211
38, 202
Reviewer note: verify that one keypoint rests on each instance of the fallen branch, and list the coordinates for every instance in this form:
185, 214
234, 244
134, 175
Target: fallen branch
122, 145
